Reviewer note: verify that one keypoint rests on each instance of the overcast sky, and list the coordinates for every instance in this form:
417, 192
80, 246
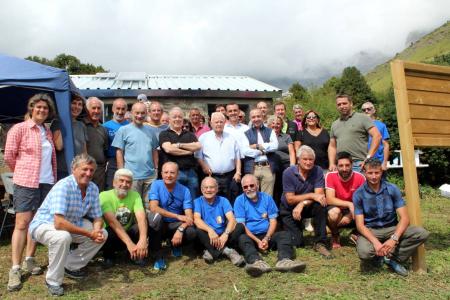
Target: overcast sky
269, 40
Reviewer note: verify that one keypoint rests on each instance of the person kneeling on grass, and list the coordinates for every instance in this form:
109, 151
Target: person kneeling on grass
125, 220
340, 186
383, 238
258, 213
170, 214
216, 225
63, 219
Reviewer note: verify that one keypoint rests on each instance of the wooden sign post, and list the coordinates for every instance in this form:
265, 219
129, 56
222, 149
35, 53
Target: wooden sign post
422, 99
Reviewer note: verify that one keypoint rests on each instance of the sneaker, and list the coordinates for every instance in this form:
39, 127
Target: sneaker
288, 265
75, 274
322, 249
14, 282
308, 225
257, 268
160, 265
177, 252
396, 267
55, 290
30, 266
209, 259
235, 258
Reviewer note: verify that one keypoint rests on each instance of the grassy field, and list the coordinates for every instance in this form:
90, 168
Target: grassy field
190, 277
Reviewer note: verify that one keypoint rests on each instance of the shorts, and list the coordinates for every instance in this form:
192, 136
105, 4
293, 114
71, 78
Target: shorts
344, 210
29, 199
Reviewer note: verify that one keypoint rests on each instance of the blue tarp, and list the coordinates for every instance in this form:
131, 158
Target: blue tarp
20, 79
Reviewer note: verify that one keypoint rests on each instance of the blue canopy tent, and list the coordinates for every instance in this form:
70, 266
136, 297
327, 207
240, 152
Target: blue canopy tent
20, 79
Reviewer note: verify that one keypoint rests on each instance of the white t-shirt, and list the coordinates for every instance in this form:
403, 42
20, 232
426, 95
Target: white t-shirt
46, 172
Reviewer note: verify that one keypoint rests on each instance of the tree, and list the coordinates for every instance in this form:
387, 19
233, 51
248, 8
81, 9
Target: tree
353, 83
68, 62
299, 92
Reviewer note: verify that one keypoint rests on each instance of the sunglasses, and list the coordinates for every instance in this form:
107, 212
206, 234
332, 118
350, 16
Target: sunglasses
251, 186
311, 117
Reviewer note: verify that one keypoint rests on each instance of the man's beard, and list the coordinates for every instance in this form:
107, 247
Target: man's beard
251, 195
121, 192
345, 175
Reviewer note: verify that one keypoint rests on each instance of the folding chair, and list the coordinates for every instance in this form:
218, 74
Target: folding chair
7, 206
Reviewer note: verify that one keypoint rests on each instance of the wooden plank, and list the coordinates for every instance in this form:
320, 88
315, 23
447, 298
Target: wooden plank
427, 84
407, 148
429, 126
431, 140
427, 75
429, 112
429, 98
413, 66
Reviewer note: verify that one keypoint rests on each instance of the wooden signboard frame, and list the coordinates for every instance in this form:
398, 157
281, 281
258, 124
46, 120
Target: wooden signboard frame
422, 99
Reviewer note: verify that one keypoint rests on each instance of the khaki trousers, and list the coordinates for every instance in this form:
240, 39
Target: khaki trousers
59, 254
266, 179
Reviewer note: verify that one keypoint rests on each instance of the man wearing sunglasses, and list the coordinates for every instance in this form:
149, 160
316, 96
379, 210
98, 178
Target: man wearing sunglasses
170, 214
383, 150
258, 213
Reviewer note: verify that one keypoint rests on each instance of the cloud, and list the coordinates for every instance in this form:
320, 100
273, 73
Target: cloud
265, 39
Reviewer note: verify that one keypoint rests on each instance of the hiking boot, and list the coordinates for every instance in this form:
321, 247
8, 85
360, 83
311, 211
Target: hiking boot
209, 259
288, 265
396, 266
55, 290
160, 265
235, 258
322, 249
14, 282
75, 274
257, 268
177, 252
30, 266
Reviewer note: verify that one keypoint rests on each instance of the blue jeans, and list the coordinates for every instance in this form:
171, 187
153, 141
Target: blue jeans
189, 179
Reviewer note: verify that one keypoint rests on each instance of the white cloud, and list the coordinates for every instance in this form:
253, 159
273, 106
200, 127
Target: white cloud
264, 39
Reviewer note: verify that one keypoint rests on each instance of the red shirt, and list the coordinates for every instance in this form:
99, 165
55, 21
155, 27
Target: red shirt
344, 189
23, 151
201, 130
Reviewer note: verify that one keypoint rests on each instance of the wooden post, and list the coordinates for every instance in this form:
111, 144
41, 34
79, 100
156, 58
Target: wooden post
407, 148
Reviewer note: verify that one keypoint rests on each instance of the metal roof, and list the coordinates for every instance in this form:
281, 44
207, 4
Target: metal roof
134, 83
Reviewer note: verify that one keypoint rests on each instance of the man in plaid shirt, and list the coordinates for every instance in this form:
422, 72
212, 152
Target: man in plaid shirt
62, 219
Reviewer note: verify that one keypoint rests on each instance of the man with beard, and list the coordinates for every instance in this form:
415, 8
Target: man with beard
258, 213
136, 150
119, 109
125, 219
340, 186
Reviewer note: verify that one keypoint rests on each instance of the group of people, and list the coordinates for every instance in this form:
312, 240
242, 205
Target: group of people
232, 189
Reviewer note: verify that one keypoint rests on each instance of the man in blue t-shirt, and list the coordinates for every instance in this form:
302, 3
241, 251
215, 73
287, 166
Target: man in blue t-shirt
170, 214
119, 109
383, 238
136, 151
383, 150
216, 225
258, 213
304, 197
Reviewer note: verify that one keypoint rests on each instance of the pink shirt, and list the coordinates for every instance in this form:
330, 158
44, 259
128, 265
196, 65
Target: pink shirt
201, 130
299, 124
344, 189
23, 151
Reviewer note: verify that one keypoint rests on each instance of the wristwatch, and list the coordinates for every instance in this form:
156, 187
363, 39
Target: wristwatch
227, 232
181, 229
305, 202
394, 237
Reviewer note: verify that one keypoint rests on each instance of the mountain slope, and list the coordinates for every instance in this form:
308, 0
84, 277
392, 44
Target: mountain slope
423, 50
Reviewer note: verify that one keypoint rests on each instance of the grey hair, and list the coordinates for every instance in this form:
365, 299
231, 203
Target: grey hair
123, 172
305, 149
272, 119
92, 99
83, 158
250, 176
217, 115
176, 108
209, 178
297, 106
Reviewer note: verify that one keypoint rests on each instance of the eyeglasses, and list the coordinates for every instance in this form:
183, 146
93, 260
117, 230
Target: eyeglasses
251, 186
367, 109
311, 117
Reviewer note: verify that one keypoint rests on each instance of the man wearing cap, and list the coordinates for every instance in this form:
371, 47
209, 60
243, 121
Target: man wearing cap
119, 109
136, 150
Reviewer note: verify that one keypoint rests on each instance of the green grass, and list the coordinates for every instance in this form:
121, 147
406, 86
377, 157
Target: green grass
429, 46
190, 277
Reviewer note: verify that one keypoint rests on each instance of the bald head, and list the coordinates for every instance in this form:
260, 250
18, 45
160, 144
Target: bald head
139, 113
209, 188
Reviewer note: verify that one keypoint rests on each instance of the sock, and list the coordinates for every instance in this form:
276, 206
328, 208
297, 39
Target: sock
227, 251
28, 257
15, 267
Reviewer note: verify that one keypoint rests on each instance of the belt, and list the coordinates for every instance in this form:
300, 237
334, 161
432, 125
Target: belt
262, 163
223, 174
